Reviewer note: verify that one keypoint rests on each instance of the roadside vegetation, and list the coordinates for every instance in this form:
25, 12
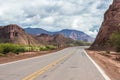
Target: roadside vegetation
6, 48
82, 43
115, 41
77, 43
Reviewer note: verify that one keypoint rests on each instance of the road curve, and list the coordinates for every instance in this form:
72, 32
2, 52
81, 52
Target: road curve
67, 64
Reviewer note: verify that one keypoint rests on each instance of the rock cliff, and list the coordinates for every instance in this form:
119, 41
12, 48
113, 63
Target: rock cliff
111, 24
14, 34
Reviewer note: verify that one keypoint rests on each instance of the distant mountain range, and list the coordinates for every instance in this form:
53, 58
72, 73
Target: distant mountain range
74, 34
13, 33
36, 31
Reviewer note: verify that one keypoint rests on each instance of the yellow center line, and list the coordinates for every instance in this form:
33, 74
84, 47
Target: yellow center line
41, 71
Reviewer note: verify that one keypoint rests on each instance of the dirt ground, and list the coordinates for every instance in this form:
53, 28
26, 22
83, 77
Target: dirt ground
14, 57
110, 63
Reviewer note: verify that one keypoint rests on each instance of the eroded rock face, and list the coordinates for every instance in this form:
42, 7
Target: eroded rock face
14, 34
110, 25
57, 40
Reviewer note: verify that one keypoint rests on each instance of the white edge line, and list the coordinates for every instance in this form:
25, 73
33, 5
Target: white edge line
98, 67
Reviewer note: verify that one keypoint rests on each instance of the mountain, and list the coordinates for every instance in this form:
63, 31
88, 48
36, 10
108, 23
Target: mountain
56, 40
74, 34
35, 31
15, 34
44, 38
59, 40
110, 25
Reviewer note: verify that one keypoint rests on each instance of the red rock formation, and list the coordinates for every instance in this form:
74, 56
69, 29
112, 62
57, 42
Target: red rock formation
110, 25
14, 34
44, 39
57, 40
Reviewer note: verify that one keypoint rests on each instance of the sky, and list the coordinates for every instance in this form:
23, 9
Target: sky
55, 15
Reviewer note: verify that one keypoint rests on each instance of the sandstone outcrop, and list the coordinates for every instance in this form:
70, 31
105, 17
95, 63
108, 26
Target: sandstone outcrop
14, 34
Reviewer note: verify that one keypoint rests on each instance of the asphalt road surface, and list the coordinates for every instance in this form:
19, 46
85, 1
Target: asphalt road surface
67, 64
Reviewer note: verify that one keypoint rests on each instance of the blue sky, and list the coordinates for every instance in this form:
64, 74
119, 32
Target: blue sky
54, 15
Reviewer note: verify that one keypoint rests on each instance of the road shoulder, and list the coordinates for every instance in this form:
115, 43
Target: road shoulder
111, 67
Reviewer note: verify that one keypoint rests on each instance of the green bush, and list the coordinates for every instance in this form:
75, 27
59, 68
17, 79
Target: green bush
14, 48
18, 49
43, 48
115, 41
107, 52
35, 48
8, 47
48, 47
1, 54
81, 43
1, 49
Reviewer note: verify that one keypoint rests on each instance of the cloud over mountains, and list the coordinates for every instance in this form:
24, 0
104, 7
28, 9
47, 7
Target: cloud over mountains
54, 15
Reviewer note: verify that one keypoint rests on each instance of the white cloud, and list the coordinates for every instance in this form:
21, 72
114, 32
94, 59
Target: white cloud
48, 20
55, 15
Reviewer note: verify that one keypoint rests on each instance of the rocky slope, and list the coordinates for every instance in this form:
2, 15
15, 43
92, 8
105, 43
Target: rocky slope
111, 24
14, 34
44, 39
74, 34
56, 40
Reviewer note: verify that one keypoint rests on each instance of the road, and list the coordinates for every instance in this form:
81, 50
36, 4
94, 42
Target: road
67, 64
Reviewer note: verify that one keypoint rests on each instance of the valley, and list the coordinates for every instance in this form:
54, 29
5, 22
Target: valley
64, 41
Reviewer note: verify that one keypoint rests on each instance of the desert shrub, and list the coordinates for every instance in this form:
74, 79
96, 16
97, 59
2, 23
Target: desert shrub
107, 52
8, 47
115, 41
43, 48
35, 48
1, 49
14, 48
1, 54
28, 48
77, 43
48, 47
81, 43
19, 49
